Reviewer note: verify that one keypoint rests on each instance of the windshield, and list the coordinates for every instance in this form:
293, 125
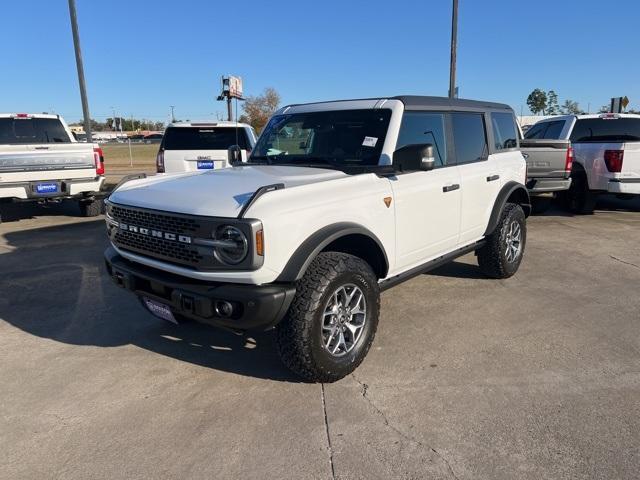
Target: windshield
341, 138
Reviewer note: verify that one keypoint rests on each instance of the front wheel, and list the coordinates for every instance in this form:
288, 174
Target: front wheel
332, 320
502, 253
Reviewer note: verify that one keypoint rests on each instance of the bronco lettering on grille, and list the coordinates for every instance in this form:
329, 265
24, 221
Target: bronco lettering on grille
155, 233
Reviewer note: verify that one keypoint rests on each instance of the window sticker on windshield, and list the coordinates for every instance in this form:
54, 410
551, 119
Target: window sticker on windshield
370, 141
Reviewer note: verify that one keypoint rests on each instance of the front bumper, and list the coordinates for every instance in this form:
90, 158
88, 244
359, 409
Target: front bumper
547, 185
256, 307
629, 186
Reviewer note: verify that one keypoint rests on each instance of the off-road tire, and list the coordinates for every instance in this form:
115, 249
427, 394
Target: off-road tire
299, 335
492, 257
579, 199
90, 208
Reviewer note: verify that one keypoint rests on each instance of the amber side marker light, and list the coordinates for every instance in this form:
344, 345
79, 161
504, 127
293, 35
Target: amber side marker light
387, 201
260, 243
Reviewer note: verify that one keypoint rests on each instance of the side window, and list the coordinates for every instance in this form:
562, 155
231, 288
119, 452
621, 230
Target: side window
553, 130
537, 131
469, 137
418, 127
504, 131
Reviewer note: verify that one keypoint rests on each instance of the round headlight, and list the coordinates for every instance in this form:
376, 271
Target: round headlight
233, 245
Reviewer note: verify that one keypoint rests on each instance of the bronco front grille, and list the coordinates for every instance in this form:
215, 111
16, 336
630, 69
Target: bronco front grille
175, 238
176, 252
157, 221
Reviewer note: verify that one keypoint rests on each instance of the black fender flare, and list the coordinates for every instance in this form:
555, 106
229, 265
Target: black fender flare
507, 191
314, 244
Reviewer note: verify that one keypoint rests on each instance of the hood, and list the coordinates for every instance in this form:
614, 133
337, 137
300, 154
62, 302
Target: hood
217, 193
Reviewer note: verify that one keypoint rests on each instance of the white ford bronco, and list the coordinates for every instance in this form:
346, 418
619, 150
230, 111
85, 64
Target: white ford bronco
338, 202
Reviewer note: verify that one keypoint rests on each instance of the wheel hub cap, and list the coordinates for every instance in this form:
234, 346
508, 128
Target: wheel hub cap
343, 320
513, 242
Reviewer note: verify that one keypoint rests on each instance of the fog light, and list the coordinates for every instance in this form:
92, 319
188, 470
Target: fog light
224, 309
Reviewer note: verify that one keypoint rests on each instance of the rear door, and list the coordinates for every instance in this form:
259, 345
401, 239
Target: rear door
201, 147
427, 204
480, 176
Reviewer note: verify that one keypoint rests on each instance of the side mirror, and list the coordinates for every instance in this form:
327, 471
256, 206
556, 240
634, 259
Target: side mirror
414, 157
234, 155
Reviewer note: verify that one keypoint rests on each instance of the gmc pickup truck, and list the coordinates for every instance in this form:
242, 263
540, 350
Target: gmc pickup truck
41, 161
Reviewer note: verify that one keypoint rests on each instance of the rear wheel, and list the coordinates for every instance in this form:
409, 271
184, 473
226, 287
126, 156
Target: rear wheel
540, 204
332, 320
502, 253
579, 199
90, 208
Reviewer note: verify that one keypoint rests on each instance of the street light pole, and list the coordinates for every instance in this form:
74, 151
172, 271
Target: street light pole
454, 46
80, 66
173, 118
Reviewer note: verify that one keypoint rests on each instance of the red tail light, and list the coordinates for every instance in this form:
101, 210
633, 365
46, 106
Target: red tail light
613, 160
98, 157
568, 162
160, 161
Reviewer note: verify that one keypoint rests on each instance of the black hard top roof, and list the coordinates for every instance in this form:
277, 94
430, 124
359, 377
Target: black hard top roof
423, 102
418, 102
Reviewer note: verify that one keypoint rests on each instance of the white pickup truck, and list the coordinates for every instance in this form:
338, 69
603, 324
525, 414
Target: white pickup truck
582, 156
40, 160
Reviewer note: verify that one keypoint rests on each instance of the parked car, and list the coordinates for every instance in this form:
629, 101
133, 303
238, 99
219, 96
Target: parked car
549, 161
604, 156
190, 146
153, 138
40, 160
356, 197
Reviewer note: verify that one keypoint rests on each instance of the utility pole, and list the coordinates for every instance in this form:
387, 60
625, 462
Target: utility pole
80, 66
173, 118
454, 46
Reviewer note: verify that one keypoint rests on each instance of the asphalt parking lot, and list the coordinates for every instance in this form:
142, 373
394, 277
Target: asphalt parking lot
534, 377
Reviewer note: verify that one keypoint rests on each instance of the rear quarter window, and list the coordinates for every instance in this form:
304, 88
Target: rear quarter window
504, 131
204, 138
24, 131
606, 130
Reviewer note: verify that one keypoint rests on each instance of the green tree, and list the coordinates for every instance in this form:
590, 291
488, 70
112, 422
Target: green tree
258, 109
569, 107
552, 103
537, 101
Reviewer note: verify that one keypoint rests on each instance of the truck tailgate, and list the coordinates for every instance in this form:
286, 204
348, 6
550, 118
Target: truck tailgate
545, 158
50, 161
631, 160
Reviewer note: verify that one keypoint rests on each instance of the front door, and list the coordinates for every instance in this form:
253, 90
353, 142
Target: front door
427, 204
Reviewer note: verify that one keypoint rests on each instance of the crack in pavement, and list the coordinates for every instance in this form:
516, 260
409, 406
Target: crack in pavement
622, 261
326, 429
363, 393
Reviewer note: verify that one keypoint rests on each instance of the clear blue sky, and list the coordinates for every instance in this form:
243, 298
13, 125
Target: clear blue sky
142, 56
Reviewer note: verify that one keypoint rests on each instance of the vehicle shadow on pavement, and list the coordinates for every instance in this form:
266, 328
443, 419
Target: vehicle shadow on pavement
459, 269
15, 212
54, 286
604, 202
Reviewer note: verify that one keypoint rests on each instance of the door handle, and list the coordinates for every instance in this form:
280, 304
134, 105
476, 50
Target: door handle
450, 188
491, 178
